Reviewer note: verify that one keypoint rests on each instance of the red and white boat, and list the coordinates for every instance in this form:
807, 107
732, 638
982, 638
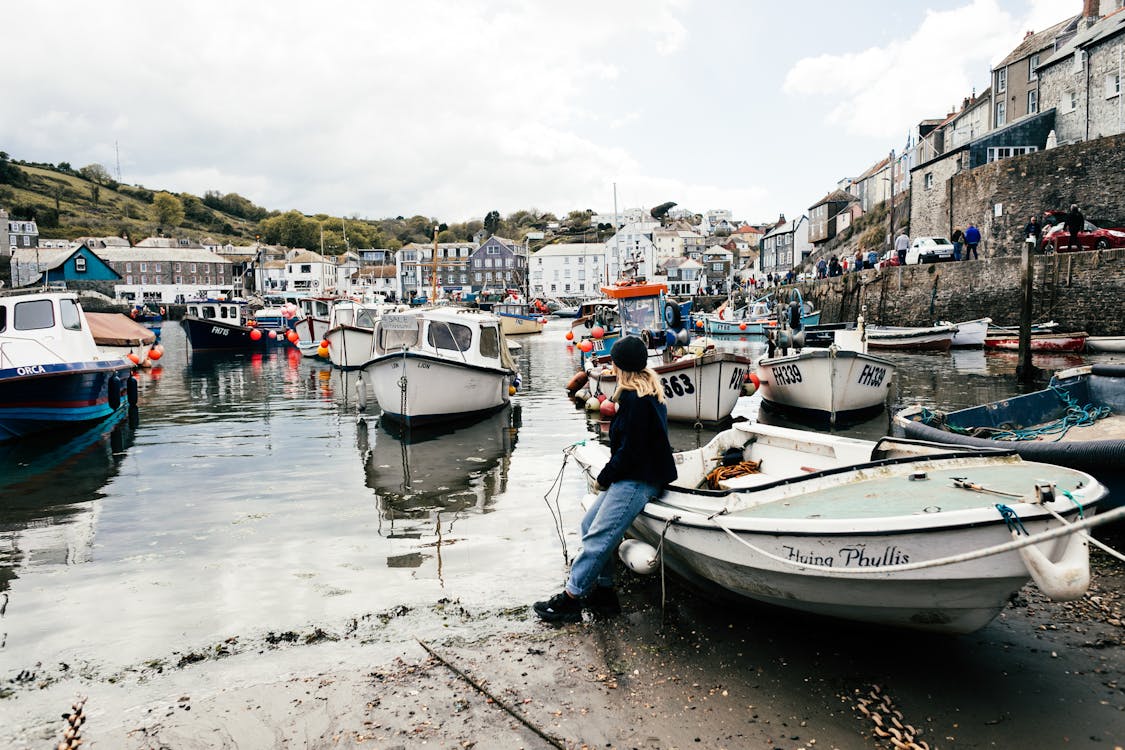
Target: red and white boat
1040, 342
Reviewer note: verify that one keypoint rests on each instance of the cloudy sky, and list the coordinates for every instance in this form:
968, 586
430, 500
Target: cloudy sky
452, 108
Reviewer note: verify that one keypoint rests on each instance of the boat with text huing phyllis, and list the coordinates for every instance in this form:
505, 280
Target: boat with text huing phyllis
51, 372
895, 532
439, 364
840, 385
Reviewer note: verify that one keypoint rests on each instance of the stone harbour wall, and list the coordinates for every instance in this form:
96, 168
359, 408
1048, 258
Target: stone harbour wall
1081, 291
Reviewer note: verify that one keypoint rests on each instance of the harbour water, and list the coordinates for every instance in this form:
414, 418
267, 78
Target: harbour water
254, 500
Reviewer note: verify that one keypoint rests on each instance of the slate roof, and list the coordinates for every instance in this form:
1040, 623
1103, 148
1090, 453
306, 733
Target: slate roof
1035, 43
1111, 25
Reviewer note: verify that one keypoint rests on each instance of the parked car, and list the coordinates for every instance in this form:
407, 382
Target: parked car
929, 250
888, 259
1092, 237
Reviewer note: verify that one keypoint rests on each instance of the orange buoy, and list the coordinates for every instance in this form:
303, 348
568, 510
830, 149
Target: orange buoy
154, 353
742, 326
134, 358
322, 352
292, 336
324, 343
598, 332
608, 408
577, 382
570, 335
255, 335
586, 346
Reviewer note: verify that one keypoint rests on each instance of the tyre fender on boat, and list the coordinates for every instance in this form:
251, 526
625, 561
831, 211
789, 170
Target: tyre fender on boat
672, 317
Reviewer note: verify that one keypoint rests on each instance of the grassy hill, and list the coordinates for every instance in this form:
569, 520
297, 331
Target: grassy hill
67, 205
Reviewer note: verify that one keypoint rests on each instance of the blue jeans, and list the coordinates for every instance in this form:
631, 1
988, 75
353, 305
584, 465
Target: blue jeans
603, 526
956, 251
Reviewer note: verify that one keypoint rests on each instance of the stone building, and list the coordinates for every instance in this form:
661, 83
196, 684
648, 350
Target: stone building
824, 216
1015, 85
1082, 79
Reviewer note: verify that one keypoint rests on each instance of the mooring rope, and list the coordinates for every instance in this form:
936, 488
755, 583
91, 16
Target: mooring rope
937, 562
1076, 416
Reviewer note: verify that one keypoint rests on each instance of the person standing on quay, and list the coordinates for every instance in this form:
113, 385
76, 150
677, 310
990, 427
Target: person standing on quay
1075, 223
639, 467
902, 244
972, 239
1033, 230
958, 240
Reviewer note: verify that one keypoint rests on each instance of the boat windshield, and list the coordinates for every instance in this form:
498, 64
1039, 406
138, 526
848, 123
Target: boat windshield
442, 335
641, 313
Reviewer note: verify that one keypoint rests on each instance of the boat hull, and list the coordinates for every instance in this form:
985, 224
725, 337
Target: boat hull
418, 388
38, 397
971, 333
1105, 343
906, 339
518, 325
758, 327
1040, 342
349, 347
215, 334
701, 389
825, 386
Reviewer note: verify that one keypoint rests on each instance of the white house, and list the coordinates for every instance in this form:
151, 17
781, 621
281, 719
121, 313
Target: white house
673, 243
307, 272
631, 250
569, 270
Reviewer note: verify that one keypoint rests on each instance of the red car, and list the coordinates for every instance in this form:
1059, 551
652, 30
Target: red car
1092, 237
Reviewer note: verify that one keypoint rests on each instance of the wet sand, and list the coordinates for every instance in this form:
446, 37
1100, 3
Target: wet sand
699, 672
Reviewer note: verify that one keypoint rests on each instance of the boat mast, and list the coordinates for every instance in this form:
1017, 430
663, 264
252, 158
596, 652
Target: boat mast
433, 273
616, 236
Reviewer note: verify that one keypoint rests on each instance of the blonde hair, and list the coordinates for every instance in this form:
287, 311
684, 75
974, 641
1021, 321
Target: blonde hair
645, 383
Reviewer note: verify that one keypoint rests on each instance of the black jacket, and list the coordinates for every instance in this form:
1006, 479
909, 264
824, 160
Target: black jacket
638, 442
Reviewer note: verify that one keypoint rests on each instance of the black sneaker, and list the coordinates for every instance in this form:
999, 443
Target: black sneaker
602, 602
561, 607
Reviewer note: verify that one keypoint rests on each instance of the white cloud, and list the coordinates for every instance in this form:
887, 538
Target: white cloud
369, 108
884, 91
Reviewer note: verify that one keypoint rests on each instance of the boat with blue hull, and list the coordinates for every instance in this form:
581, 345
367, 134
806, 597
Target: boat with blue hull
51, 372
1078, 421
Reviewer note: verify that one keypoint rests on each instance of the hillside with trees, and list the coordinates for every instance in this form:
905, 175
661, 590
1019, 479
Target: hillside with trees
67, 203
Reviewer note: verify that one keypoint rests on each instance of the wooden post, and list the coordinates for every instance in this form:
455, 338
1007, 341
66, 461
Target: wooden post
1025, 371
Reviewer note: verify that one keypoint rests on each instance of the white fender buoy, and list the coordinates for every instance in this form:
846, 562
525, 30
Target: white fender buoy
1065, 580
592, 404
639, 557
360, 394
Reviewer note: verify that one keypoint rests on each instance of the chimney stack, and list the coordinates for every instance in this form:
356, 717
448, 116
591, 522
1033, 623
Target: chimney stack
1090, 12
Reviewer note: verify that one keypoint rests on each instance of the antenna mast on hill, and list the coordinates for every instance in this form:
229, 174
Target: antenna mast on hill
117, 153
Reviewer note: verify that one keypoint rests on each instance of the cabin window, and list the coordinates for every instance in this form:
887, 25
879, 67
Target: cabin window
453, 336
209, 313
69, 312
3, 319
34, 315
490, 343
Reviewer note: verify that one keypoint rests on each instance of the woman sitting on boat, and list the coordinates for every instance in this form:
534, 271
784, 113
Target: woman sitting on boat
639, 468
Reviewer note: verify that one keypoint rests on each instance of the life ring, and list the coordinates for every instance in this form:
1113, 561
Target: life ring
316, 284
672, 315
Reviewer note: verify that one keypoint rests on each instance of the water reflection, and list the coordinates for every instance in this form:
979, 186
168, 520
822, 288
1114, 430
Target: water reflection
421, 475
49, 486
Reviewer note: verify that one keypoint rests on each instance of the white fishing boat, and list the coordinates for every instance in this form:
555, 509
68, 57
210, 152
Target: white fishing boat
911, 338
969, 332
439, 364
1105, 343
835, 386
119, 335
895, 532
703, 385
313, 322
517, 318
351, 327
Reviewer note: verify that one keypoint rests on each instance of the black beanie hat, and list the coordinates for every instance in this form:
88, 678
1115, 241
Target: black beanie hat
629, 353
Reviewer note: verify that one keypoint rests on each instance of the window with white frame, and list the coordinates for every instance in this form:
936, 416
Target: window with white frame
1069, 101
1001, 80
996, 153
144, 267
492, 250
928, 180
1032, 64
1112, 85
80, 264
1001, 113
1032, 102
1079, 60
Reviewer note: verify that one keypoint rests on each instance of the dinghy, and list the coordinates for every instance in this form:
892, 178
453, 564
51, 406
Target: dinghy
895, 532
